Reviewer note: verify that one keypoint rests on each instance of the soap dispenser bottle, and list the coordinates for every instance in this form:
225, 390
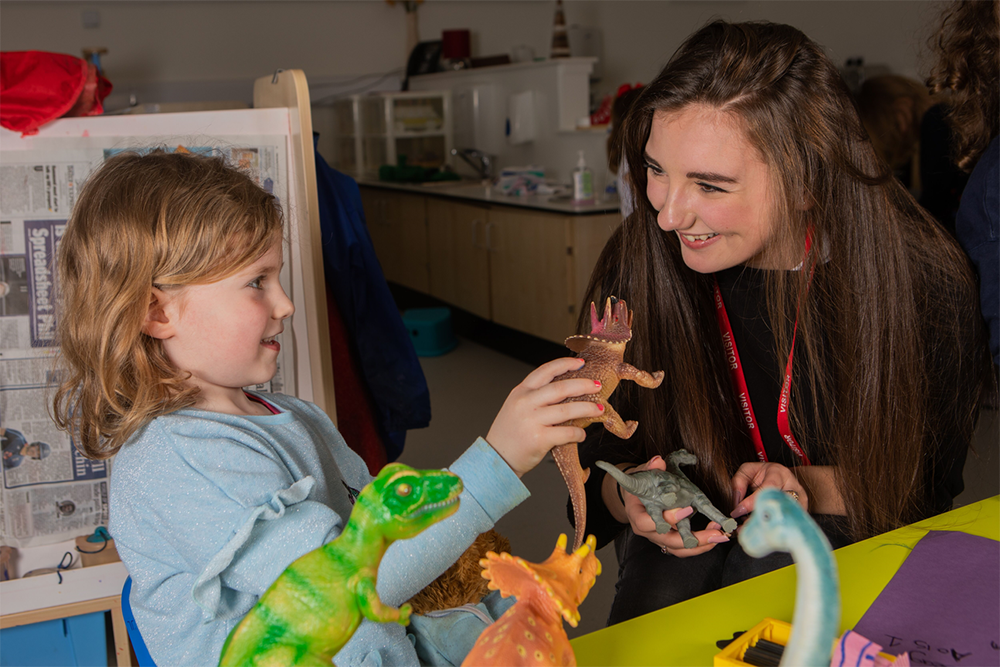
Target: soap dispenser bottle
583, 182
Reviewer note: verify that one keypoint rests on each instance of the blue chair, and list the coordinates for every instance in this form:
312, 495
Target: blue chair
141, 652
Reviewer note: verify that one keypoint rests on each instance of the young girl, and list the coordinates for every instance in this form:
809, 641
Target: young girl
171, 304
817, 329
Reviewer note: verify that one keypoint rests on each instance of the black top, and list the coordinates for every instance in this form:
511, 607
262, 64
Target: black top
741, 289
941, 181
978, 231
742, 293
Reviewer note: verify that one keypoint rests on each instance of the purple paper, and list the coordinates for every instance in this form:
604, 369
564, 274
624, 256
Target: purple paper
943, 605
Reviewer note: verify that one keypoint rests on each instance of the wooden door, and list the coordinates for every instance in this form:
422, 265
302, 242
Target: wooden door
459, 262
397, 222
531, 272
590, 235
408, 225
376, 206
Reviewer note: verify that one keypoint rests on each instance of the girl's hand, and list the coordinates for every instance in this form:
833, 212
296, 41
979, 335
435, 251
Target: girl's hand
528, 424
671, 542
755, 476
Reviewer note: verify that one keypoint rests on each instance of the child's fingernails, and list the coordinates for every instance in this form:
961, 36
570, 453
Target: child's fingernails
738, 512
718, 539
684, 513
600, 407
597, 382
581, 360
656, 458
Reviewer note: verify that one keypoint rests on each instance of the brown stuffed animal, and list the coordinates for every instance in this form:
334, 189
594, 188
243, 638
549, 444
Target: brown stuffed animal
462, 583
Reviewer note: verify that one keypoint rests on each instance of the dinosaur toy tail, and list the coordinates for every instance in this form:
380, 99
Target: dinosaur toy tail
568, 460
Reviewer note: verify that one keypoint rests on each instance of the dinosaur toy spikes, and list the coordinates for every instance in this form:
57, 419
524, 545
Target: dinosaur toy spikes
531, 632
614, 327
603, 350
317, 603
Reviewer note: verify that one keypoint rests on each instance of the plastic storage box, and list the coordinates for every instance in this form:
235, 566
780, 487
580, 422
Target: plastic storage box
75, 641
770, 629
370, 131
430, 330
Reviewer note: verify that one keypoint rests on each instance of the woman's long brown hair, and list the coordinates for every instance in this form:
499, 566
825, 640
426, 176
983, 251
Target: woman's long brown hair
891, 308
967, 48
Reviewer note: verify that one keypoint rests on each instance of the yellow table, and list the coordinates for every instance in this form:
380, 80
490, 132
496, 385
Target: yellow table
685, 634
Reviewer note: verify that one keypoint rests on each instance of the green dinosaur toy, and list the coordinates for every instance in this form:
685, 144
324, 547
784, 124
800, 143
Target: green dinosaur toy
314, 607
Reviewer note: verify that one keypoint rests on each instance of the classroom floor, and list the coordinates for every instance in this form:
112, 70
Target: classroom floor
469, 384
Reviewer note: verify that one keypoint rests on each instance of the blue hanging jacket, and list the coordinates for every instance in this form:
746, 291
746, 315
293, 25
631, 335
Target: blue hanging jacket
354, 277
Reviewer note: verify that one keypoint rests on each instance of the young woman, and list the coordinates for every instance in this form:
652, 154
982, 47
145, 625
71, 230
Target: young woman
818, 330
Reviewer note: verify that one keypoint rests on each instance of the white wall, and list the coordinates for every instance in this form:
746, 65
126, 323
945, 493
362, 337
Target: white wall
214, 50
219, 41
639, 36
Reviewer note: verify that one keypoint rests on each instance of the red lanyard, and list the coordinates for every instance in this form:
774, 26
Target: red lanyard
736, 370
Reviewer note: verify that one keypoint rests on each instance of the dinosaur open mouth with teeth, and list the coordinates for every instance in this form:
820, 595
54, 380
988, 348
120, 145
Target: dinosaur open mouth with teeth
424, 509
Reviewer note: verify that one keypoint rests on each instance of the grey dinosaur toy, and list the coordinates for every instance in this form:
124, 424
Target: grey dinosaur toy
669, 489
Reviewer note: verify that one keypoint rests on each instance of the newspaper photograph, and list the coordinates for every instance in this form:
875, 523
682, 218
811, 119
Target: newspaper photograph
50, 492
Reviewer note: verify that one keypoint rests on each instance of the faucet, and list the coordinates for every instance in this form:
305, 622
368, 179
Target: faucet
478, 160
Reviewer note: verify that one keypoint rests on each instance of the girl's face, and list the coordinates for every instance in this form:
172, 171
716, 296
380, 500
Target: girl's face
710, 187
223, 332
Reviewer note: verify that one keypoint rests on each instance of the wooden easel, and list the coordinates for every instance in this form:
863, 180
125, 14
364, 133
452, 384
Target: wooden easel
288, 88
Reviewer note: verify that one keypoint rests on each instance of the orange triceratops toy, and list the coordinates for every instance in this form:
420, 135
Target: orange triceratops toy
531, 632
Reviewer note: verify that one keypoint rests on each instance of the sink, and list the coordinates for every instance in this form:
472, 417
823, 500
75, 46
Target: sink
464, 183
463, 188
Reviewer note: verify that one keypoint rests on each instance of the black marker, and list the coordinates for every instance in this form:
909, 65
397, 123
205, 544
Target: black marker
770, 646
760, 657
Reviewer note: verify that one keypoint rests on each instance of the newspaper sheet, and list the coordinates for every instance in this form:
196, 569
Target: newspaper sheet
51, 493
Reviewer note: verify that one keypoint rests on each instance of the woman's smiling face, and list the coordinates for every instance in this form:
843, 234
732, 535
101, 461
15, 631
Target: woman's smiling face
710, 187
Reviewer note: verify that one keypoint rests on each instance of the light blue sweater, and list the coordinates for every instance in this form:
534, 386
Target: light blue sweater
207, 509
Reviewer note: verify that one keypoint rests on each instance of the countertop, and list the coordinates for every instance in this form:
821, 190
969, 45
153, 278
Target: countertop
480, 193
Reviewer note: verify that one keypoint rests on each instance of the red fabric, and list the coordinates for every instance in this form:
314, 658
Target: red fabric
603, 114
355, 416
625, 87
37, 87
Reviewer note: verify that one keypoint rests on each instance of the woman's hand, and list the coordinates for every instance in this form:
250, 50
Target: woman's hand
529, 422
643, 525
752, 477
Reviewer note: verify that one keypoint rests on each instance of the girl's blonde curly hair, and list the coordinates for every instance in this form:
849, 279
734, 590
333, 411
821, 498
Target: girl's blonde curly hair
158, 218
